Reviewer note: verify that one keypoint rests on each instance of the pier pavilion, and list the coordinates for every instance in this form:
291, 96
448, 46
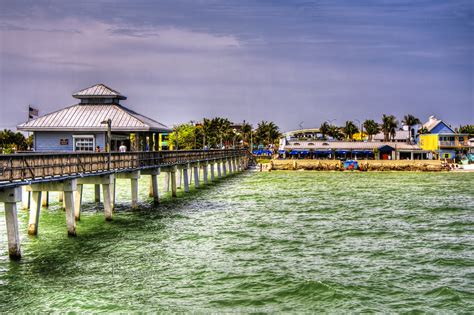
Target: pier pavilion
83, 127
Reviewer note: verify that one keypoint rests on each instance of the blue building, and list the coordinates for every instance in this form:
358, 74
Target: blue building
83, 127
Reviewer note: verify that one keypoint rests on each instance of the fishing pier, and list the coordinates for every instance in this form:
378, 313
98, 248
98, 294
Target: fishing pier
30, 177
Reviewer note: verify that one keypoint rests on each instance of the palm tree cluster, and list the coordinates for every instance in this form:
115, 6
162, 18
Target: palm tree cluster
219, 132
388, 127
267, 133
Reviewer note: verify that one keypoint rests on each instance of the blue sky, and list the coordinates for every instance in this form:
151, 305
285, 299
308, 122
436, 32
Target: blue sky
286, 61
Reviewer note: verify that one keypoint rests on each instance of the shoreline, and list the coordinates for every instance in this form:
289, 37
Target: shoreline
366, 165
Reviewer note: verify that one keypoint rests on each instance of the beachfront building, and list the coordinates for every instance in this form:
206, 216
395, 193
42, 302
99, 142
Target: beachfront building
84, 127
303, 134
442, 141
301, 149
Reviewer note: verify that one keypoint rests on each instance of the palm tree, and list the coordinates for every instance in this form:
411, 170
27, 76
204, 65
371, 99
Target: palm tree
389, 127
423, 131
335, 132
324, 129
267, 133
371, 127
246, 131
410, 121
350, 129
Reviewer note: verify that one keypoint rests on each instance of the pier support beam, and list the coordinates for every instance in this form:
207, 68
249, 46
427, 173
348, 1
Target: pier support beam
224, 168
68, 187
212, 170
35, 208
196, 175
134, 186
204, 173
77, 202
166, 186
153, 183
186, 178
25, 198
219, 174
173, 182
154, 188
45, 199
70, 212
97, 193
10, 197
107, 188
180, 176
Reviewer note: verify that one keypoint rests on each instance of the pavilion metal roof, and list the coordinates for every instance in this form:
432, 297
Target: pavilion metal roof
88, 117
99, 91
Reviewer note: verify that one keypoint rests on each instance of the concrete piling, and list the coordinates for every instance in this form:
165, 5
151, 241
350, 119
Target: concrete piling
204, 173
77, 202
10, 197
173, 182
212, 170
35, 208
196, 176
154, 188
219, 173
45, 199
186, 179
97, 193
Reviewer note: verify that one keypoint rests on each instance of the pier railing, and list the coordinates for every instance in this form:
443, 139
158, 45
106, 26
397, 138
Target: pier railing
37, 166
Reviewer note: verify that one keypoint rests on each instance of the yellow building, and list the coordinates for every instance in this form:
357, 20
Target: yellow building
429, 142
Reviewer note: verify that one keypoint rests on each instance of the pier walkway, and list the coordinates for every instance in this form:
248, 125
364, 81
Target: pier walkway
30, 177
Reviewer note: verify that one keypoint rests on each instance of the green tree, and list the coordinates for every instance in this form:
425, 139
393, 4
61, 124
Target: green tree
335, 132
410, 121
12, 141
324, 129
246, 133
350, 129
389, 127
267, 133
423, 131
371, 128
186, 136
469, 129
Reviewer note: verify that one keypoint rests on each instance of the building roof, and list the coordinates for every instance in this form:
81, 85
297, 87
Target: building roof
99, 91
399, 135
88, 117
347, 145
433, 122
309, 130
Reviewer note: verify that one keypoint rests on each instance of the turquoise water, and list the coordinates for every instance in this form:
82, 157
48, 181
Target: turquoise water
258, 242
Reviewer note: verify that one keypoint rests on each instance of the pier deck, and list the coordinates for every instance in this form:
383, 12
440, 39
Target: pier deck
30, 177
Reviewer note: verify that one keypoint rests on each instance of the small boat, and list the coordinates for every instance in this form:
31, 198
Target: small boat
351, 165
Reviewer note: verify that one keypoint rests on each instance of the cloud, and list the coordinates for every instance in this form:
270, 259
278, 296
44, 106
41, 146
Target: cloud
283, 61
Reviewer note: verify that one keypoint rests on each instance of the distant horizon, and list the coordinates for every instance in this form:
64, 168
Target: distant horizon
290, 62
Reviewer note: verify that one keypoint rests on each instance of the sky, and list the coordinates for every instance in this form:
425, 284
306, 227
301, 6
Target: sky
297, 63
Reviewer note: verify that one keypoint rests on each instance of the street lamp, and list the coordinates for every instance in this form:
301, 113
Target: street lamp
329, 121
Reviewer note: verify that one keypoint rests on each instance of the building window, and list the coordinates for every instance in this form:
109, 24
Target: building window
84, 143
